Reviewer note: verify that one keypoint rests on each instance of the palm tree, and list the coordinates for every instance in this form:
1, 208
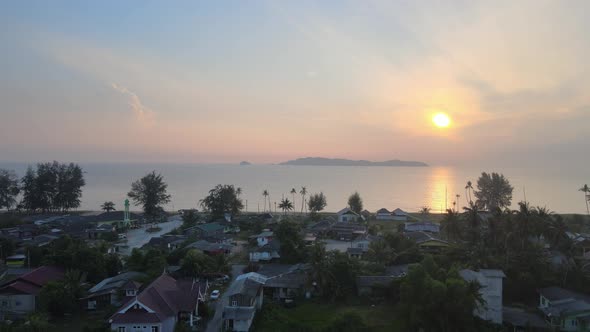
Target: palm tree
468, 189
265, 195
457, 201
303, 192
586, 190
108, 206
425, 211
293, 192
238, 191
286, 205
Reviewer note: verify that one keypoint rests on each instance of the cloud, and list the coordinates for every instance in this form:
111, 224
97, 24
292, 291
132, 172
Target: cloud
142, 113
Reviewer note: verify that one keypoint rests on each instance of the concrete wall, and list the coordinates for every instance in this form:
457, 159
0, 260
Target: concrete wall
165, 326
19, 304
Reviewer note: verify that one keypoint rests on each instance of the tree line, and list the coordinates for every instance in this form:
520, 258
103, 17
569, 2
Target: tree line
49, 187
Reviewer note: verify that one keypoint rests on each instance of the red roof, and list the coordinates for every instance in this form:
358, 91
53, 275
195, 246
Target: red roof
32, 282
166, 296
135, 317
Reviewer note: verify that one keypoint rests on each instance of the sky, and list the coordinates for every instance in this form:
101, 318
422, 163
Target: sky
269, 81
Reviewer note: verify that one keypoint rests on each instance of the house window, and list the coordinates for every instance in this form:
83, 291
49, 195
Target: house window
131, 292
574, 322
155, 329
121, 329
234, 303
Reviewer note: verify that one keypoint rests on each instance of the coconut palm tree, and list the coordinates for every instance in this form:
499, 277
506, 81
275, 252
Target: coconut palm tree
303, 192
457, 201
238, 191
293, 192
265, 195
425, 211
286, 205
586, 190
468, 190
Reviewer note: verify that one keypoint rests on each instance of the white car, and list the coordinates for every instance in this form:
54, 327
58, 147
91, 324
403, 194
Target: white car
215, 294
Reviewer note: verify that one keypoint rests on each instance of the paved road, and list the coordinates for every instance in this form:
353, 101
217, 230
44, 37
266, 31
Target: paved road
215, 324
138, 237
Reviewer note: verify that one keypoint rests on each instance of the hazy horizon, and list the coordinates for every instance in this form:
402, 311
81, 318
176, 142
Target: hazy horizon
266, 82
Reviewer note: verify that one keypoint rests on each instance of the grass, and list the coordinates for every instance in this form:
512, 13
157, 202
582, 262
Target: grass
317, 316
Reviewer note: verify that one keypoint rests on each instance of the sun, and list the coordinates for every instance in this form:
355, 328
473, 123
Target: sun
441, 120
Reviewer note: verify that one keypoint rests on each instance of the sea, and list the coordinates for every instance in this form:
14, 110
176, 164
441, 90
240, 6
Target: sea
408, 188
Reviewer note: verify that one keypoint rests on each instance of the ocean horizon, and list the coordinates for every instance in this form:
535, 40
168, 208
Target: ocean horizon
408, 188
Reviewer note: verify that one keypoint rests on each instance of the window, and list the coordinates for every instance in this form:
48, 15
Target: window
121, 329
131, 292
574, 322
155, 329
234, 303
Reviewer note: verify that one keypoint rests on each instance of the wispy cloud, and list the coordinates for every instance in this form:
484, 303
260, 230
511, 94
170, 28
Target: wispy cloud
142, 113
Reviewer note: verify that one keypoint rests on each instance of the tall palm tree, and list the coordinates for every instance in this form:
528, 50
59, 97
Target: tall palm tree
468, 189
265, 195
238, 192
286, 205
303, 192
293, 192
457, 200
586, 190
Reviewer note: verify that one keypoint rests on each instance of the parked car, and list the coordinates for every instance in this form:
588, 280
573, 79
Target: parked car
122, 236
289, 303
215, 294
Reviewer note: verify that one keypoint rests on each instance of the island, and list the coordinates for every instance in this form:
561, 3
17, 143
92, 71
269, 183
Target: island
316, 161
245, 163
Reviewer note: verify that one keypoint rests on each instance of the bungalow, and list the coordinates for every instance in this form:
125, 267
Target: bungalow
399, 215
366, 214
246, 295
18, 297
383, 214
490, 291
427, 241
564, 309
360, 246
211, 248
347, 215
160, 306
112, 290
283, 280
347, 231
208, 229
320, 228
422, 226
98, 231
263, 238
166, 242
267, 252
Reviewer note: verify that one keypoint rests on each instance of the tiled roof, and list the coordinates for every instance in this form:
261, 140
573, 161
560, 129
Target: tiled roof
135, 317
31, 283
116, 282
558, 293
383, 210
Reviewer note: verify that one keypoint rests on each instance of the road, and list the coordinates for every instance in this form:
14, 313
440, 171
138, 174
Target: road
215, 324
138, 237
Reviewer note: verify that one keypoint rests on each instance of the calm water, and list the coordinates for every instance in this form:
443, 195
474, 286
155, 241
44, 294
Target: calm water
389, 187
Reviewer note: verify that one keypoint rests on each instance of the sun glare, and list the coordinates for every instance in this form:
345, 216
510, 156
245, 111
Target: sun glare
441, 120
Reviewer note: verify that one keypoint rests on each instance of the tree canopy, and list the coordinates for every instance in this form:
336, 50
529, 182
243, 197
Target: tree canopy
355, 203
221, 200
493, 191
151, 193
9, 189
317, 202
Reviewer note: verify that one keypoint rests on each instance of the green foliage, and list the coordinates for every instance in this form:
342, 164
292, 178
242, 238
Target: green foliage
53, 187
349, 322
151, 193
222, 199
355, 203
286, 205
493, 191
189, 219
9, 189
196, 263
292, 245
317, 202
433, 299
61, 297
152, 262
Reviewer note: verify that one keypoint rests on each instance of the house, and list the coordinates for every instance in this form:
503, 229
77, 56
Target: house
360, 246
205, 230
98, 231
564, 309
347, 215
519, 320
111, 291
427, 241
422, 226
320, 228
267, 252
246, 295
160, 306
166, 242
284, 280
41, 240
263, 238
366, 214
399, 215
211, 248
347, 231
19, 297
383, 214
367, 285
490, 291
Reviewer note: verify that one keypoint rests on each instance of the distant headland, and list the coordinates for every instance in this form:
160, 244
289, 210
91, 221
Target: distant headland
245, 163
311, 161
